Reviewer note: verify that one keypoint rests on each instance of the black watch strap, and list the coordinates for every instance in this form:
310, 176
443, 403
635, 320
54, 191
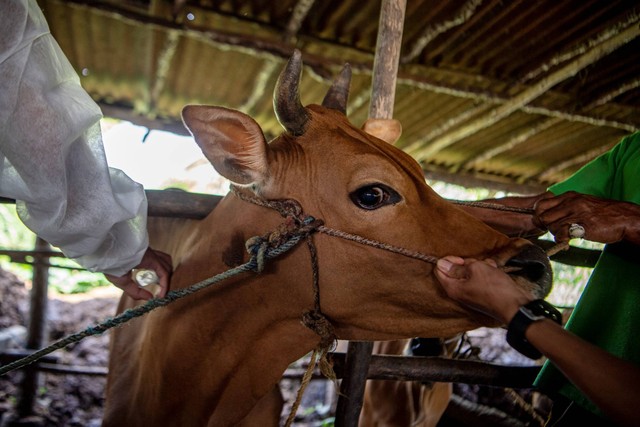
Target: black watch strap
527, 314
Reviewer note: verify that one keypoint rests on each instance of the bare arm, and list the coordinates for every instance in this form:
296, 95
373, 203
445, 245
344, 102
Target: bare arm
610, 382
511, 223
612, 386
605, 221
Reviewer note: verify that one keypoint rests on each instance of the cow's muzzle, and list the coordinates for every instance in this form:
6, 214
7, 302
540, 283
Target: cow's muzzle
532, 264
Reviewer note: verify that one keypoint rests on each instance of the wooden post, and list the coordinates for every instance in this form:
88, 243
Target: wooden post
383, 90
36, 332
385, 63
356, 370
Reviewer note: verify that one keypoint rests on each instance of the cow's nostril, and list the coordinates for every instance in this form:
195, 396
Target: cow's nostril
533, 264
534, 271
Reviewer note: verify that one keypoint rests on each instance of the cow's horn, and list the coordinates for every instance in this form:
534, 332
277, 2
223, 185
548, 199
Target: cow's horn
338, 94
286, 98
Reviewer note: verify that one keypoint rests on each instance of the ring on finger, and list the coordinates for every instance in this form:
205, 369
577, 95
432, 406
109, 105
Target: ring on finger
144, 277
576, 231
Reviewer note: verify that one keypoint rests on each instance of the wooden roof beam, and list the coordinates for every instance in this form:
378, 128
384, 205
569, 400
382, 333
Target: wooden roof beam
584, 157
268, 68
414, 80
512, 142
431, 32
526, 96
298, 15
577, 160
582, 48
163, 65
523, 136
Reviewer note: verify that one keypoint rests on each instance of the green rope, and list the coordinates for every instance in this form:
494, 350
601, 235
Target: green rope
259, 250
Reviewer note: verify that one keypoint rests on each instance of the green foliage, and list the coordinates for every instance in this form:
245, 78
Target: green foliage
180, 185
14, 235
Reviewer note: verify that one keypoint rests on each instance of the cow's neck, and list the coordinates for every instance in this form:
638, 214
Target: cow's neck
250, 324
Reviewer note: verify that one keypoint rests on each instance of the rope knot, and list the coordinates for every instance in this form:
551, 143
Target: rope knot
319, 324
257, 247
309, 225
288, 208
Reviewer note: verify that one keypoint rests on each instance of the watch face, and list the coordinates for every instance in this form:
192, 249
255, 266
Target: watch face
540, 309
531, 315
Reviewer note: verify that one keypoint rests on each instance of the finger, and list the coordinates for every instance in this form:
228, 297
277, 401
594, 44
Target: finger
134, 291
166, 258
551, 201
560, 229
164, 274
491, 262
163, 282
454, 259
452, 267
560, 208
451, 286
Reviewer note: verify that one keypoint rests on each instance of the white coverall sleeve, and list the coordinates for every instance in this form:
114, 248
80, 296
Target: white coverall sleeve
52, 160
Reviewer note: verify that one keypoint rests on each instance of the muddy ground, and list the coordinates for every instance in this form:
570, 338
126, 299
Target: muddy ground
77, 400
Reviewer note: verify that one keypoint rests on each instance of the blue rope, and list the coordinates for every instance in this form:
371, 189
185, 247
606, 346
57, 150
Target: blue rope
257, 247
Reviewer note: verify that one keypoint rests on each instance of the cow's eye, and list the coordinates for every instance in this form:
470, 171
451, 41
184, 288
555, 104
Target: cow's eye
374, 196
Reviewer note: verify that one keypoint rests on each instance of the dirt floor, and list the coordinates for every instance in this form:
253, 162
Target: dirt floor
77, 400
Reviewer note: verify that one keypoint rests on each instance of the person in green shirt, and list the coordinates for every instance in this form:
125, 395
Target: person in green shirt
601, 201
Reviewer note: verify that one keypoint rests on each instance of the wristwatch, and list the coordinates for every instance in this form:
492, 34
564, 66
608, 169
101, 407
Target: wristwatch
527, 314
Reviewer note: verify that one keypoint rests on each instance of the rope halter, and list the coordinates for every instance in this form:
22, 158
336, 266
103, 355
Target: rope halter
301, 225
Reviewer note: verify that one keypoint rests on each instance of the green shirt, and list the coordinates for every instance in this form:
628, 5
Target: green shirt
608, 312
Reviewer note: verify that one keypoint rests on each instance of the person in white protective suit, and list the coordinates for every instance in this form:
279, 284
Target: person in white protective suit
52, 159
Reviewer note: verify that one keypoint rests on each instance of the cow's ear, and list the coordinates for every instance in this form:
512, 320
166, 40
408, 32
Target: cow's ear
232, 141
388, 130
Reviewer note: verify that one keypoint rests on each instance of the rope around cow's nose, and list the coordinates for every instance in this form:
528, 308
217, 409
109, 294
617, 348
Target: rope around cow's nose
559, 247
291, 208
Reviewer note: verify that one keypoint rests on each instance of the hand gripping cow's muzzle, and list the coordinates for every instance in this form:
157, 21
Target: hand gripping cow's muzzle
533, 264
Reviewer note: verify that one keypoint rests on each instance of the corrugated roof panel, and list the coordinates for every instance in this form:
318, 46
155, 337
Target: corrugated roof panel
477, 81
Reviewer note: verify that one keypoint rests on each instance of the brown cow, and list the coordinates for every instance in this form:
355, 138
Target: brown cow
207, 360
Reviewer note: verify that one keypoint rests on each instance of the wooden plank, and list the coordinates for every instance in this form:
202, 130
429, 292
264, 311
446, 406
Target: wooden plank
438, 369
354, 379
173, 203
387, 57
180, 204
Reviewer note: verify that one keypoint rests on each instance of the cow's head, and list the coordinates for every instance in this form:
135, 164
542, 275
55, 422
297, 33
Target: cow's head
363, 185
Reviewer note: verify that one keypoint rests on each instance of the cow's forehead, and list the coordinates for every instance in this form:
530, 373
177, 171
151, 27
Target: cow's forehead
332, 133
